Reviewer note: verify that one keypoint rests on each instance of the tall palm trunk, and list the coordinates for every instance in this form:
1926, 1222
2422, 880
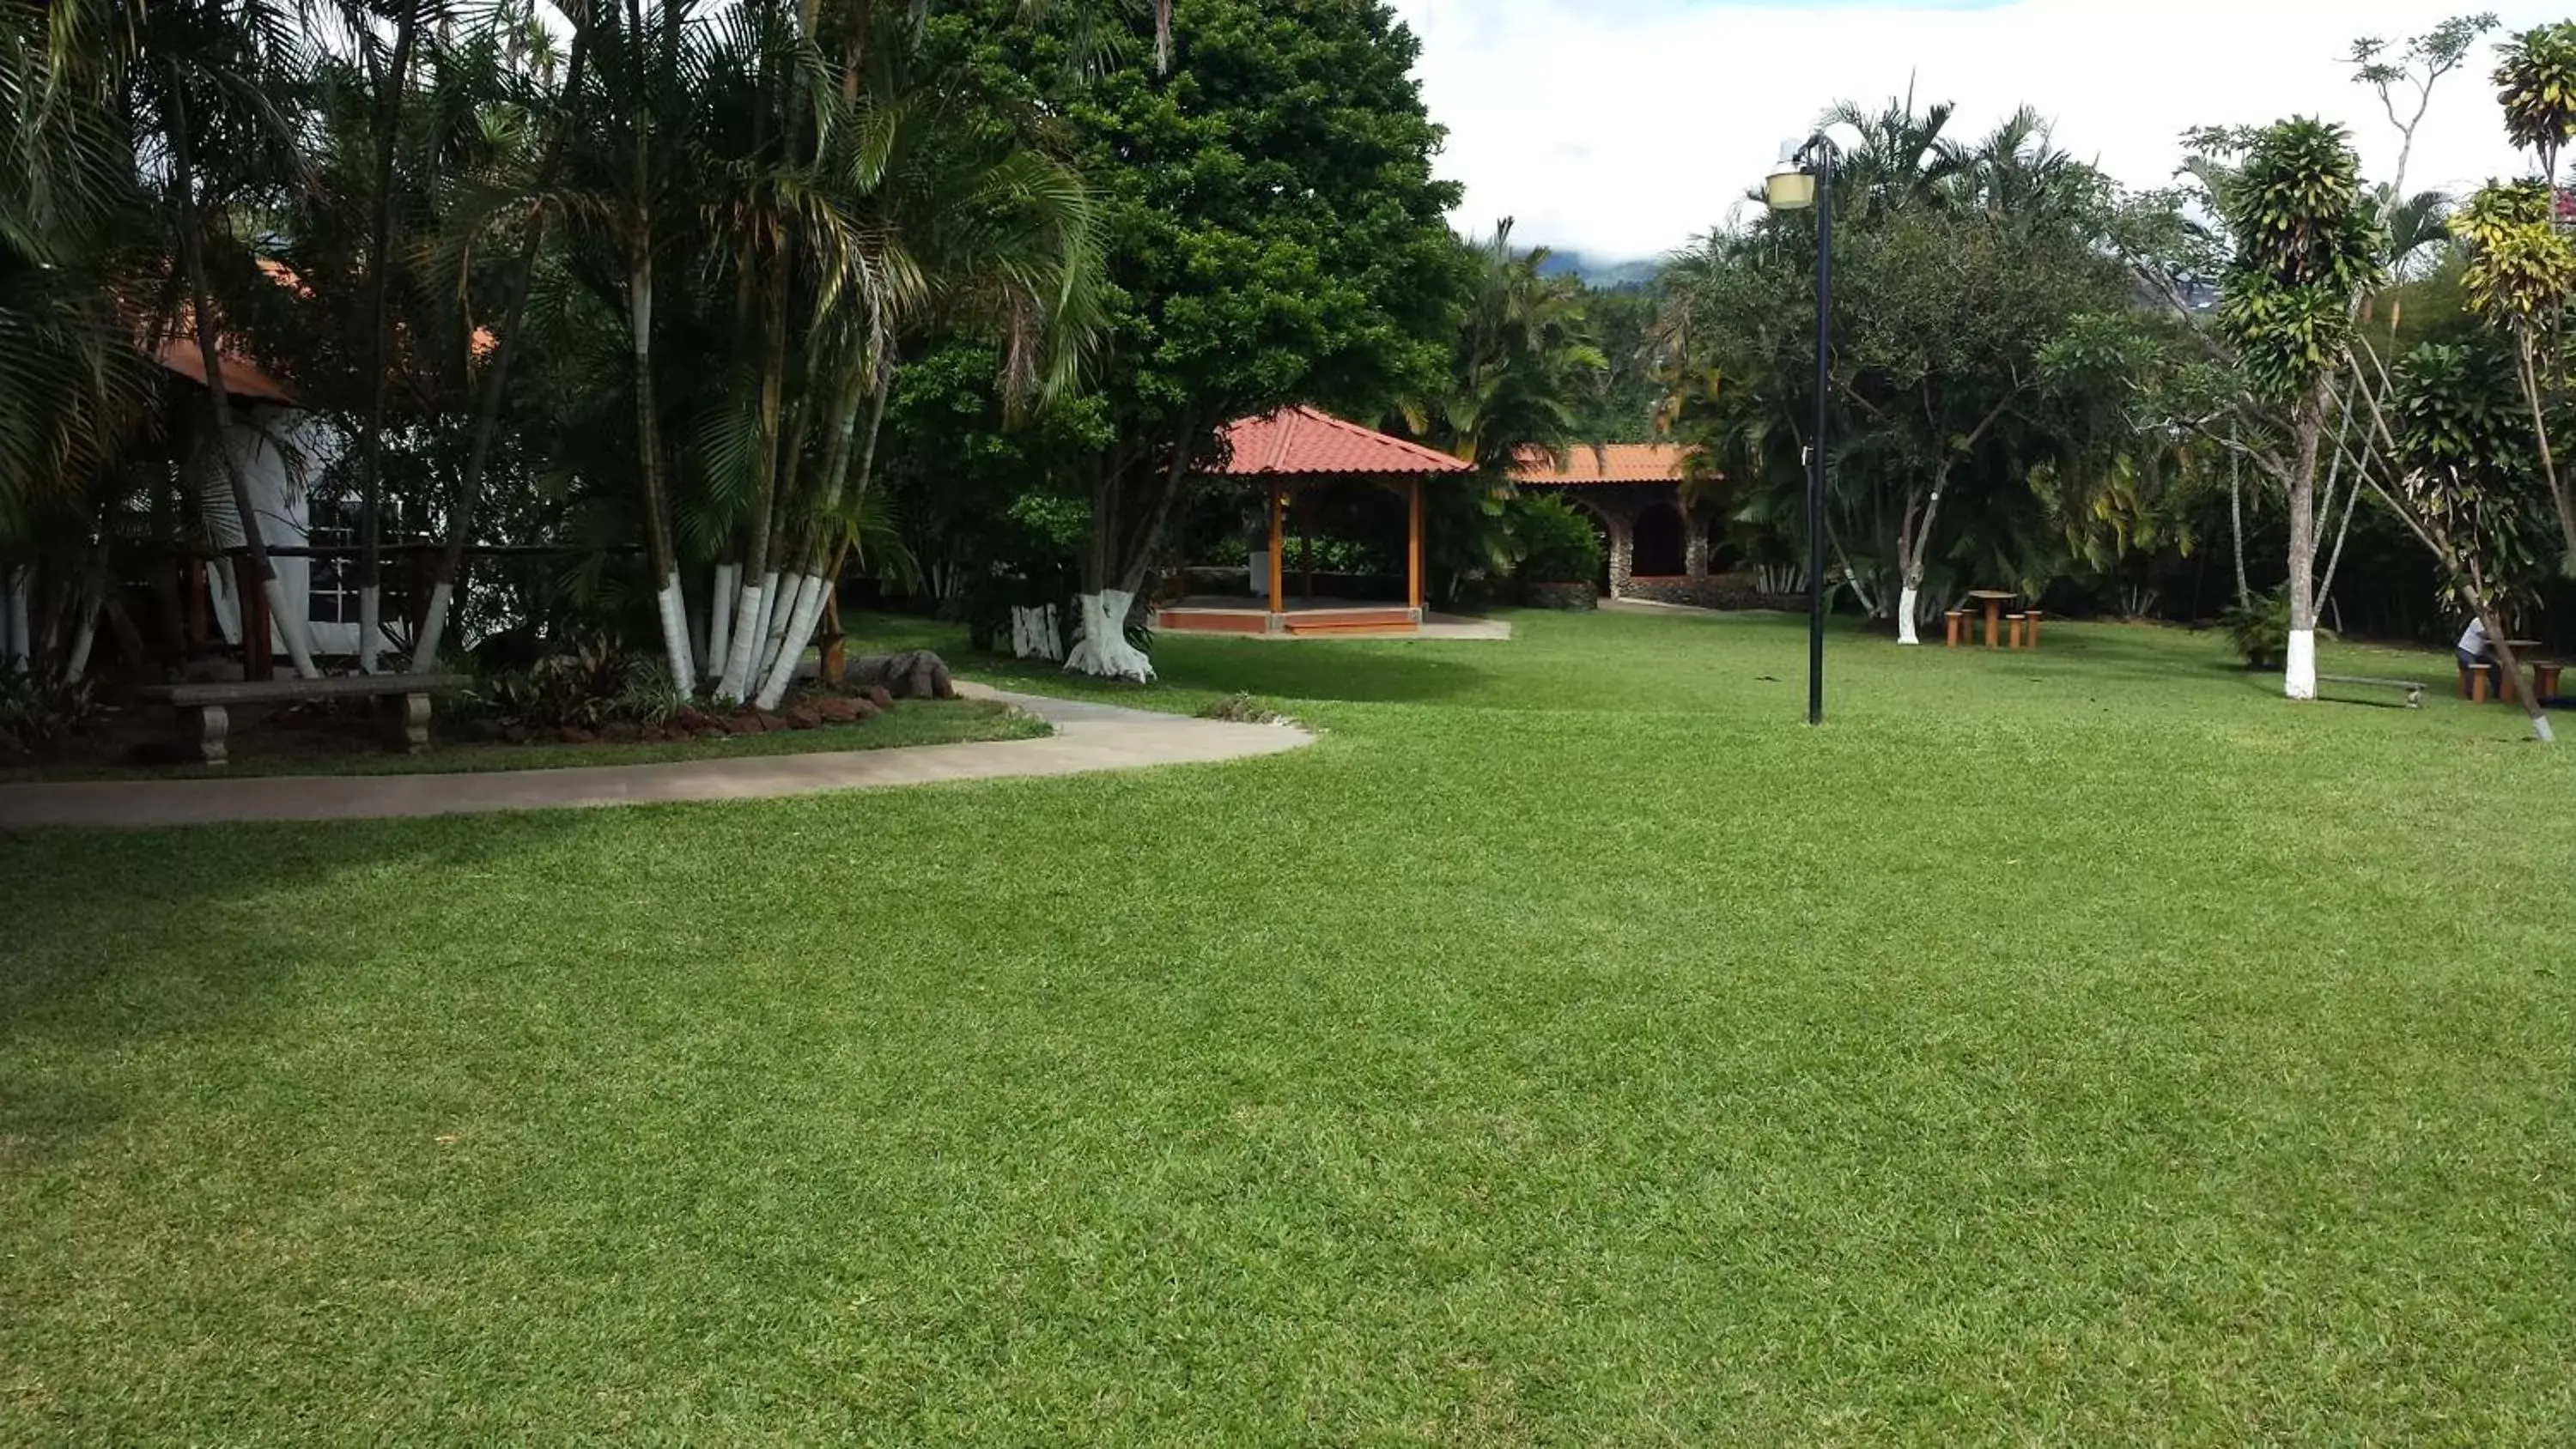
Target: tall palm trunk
2527, 364
496, 373
2236, 523
660, 554
371, 448
758, 610
192, 257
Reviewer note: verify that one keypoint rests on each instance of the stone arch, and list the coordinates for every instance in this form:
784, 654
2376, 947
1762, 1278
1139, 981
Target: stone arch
1662, 542
1612, 531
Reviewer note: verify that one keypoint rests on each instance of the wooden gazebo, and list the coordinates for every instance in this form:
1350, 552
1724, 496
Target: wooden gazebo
1298, 449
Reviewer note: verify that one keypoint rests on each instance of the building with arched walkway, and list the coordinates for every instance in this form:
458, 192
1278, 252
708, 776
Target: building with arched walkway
1656, 544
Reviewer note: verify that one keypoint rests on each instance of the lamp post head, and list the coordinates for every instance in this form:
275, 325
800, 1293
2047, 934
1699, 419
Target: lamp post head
1790, 187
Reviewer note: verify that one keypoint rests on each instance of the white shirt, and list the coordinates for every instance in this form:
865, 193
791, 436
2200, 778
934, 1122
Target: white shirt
2474, 642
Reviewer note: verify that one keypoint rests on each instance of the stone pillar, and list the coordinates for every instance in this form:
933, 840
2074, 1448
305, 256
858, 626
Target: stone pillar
1695, 552
1623, 554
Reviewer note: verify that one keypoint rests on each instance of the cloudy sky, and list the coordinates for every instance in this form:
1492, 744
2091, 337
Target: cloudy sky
1623, 127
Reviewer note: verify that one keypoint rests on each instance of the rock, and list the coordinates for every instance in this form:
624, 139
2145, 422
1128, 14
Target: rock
837, 709
803, 718
696, 721
516, 734
745, 723
912, 674
621, 732
775, 724
877, 696
575, 735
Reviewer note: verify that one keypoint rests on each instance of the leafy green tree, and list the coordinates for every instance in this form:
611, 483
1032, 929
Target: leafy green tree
1619, 398
1274, 235
1958, 267
2519, 275
2306, 248
2535, 79
2461, 449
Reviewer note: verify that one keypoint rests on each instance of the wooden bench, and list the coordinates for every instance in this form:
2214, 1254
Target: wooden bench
204, 709
2414, 691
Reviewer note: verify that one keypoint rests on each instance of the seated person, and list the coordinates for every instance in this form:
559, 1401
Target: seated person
2476, 651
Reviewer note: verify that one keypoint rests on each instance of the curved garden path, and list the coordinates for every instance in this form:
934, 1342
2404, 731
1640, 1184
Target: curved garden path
1088, 739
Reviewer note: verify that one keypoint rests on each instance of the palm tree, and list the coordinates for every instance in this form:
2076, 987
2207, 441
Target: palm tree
1902, 160
1519, 373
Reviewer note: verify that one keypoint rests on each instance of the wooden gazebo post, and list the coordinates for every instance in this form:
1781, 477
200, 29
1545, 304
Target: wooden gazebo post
1278, 550
1413, 549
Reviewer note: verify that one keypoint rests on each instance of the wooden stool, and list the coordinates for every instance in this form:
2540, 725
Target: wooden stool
1958, 621
2481, 683
2033, 617
2544, 678
2015, 625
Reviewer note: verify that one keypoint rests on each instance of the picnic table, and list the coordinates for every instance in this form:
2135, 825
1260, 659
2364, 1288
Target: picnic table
1994, 600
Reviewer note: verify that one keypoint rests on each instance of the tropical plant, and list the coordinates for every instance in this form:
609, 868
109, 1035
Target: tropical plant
1523, 367
2259, 628
1555, 541
2306, 246
2535, 80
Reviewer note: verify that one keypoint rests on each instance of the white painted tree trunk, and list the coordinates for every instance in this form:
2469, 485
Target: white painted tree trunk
371, 624
433, 628
290, 626
791, 649
760, 629
82, 638
675, 630
16, 639
781, 608
2299, 681
735, 682
720, 621
1036, 634
1102, 649
1905, 631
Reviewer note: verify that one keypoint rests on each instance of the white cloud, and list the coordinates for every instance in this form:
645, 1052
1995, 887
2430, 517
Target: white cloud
1624, 128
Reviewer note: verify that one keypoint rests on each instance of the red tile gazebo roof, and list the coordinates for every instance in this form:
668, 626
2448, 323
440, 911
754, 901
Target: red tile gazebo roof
1304, 440
1611, 463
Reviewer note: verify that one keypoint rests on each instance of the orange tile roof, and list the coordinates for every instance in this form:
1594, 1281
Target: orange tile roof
1308, 440
244, 380
1610, 463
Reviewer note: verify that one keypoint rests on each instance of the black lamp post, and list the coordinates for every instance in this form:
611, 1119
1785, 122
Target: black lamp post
1804, 179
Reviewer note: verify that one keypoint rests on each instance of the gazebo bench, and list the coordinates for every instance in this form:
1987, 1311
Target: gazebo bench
205, 721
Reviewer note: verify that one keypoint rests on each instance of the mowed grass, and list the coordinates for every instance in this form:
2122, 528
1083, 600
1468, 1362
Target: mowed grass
2081, 1048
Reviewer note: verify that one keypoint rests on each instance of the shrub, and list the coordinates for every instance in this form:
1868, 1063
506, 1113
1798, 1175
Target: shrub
594, 684
1555, 541
2261, 630
38, 713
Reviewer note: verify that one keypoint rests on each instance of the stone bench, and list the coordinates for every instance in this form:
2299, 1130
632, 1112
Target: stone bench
205, 721
2414, 691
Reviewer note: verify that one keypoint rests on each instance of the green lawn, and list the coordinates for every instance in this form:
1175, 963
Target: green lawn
2078, 1048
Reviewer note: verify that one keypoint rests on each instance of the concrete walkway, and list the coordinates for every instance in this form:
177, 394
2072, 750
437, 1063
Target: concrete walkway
1088, 739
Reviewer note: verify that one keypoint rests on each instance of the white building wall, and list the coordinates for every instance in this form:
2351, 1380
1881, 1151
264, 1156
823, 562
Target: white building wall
279, 450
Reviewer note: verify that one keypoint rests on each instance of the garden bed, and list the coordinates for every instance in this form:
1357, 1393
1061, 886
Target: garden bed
344, 740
